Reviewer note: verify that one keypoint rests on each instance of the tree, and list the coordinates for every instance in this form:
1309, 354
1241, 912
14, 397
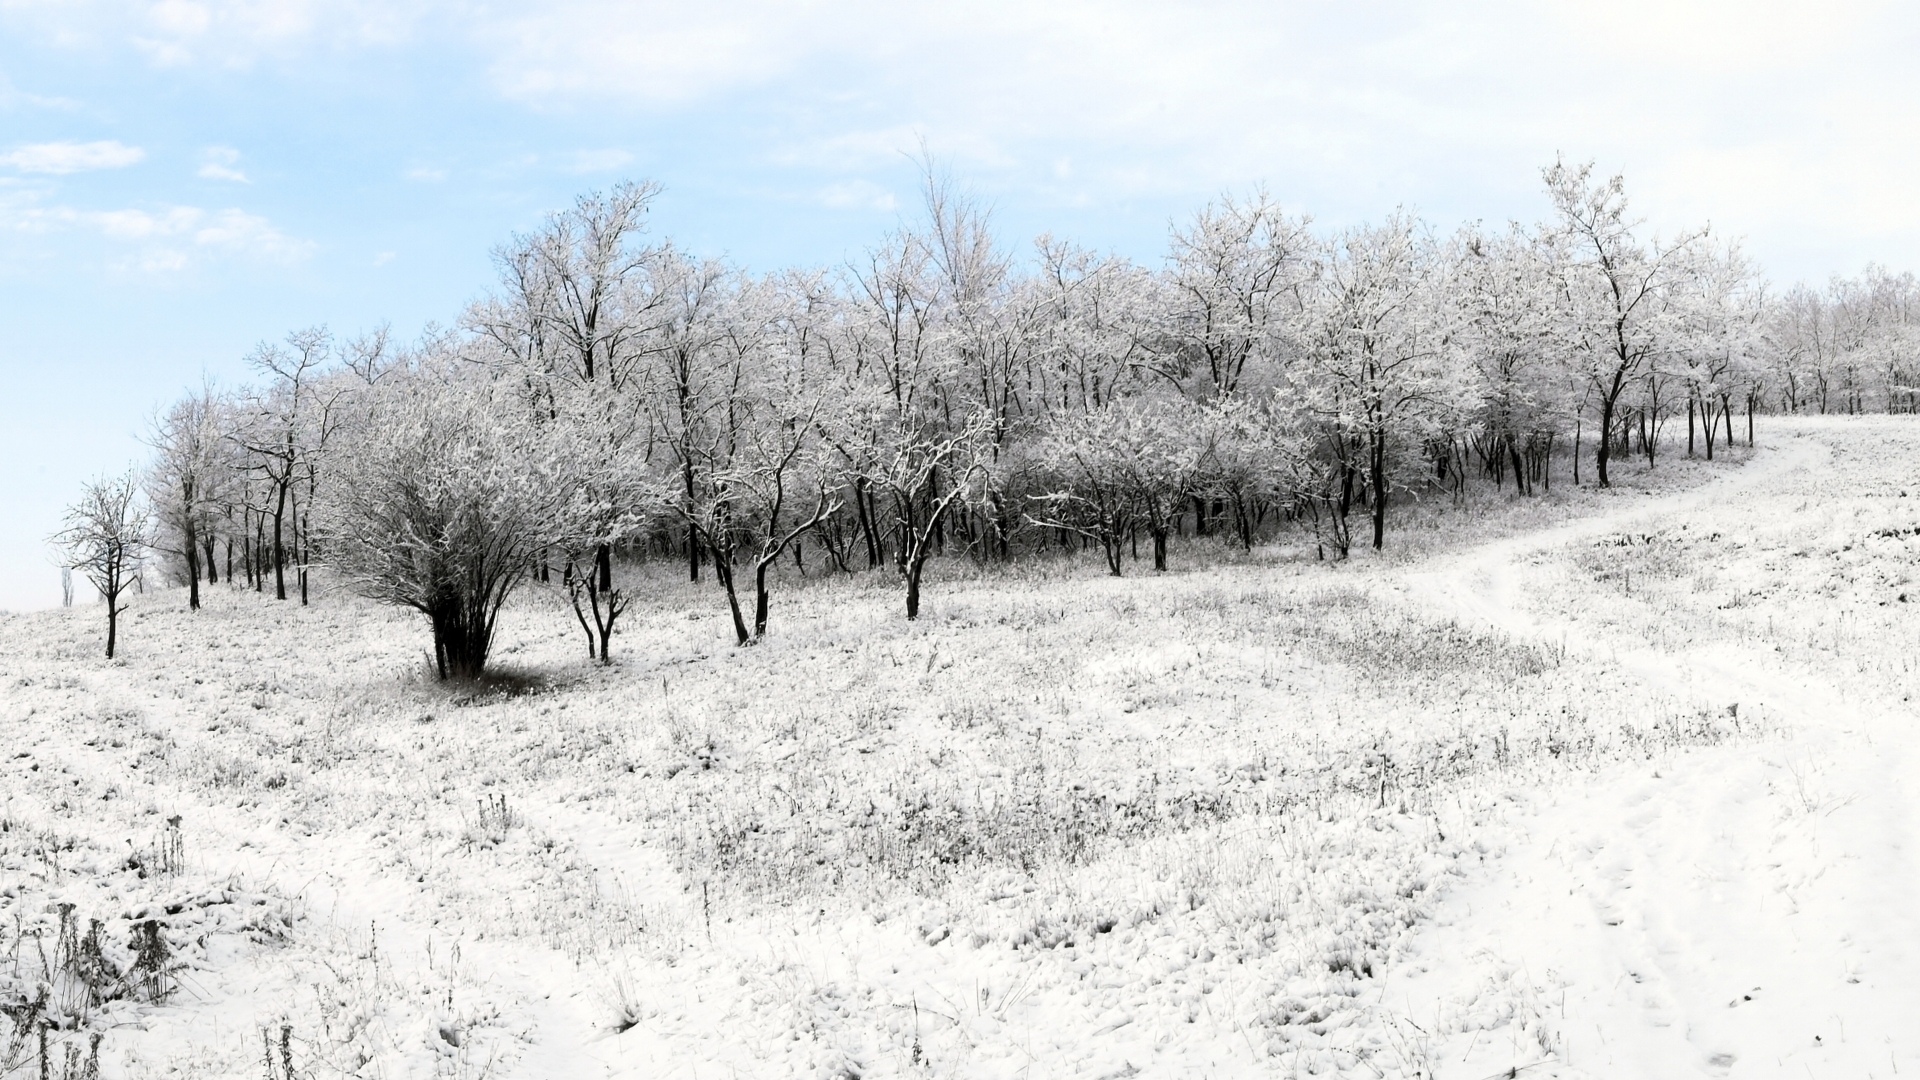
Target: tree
288, 425
1377, 358
613, 500
105, 538
446, 499
581, 302
758, 475
1614, 290
1235, 277
1505, 308
187, 480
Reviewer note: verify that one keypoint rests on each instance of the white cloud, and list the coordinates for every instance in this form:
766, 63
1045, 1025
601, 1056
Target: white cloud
1349, 109
72, 157
862, 194
243, 233
166, 238
425, 175
217, 163
230, 33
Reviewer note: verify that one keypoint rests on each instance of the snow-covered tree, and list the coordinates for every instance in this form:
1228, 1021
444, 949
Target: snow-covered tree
105, 537
1618, 308
187, 481
449, 495
1377, 361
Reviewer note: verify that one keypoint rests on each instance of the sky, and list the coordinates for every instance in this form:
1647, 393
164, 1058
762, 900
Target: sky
180, 180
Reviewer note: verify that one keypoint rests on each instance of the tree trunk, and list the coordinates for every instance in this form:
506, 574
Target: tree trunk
760, 600
723, 569
193, 566
279, 548
1604, 445
913, 587
1519, 470
1377, 469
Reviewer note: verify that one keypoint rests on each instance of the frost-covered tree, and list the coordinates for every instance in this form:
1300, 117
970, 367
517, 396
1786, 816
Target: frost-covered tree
1505, 309
1618, 310
1377, 361
105, 537
1234, 280
450, 493
186, 482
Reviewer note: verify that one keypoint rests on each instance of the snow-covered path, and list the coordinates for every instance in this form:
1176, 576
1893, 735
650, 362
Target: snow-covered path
1744, 910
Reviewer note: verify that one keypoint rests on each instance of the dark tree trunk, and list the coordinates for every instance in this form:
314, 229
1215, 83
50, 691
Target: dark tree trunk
864, 512
1604, 445
760, 600
1377, 476
193, 567
723, 569
913, 587
279, 547
462, 637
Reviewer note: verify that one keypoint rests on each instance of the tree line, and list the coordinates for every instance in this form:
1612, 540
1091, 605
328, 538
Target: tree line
616, 399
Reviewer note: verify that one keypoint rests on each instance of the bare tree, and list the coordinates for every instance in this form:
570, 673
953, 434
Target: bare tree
280, 435
186, 479
1614, 289
105, 538
1235, 276
1377, 360
449, 496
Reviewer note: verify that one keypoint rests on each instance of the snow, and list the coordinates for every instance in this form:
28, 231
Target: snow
1483, 805
1744, 911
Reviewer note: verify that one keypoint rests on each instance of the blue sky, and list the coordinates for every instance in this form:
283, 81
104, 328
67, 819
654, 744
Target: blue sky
181, 179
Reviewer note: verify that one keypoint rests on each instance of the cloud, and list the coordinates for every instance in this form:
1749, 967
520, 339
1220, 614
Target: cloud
1351, 109
229, 33
168, 238
217, 163
858, 194
72, 157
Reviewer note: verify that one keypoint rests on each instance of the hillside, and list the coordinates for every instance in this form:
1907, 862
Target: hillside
1402, 817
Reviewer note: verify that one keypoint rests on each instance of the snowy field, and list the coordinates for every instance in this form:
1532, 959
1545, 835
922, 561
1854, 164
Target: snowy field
1606, 784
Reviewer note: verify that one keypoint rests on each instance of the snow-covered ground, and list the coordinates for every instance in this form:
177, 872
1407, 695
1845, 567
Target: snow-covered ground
1618, 793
